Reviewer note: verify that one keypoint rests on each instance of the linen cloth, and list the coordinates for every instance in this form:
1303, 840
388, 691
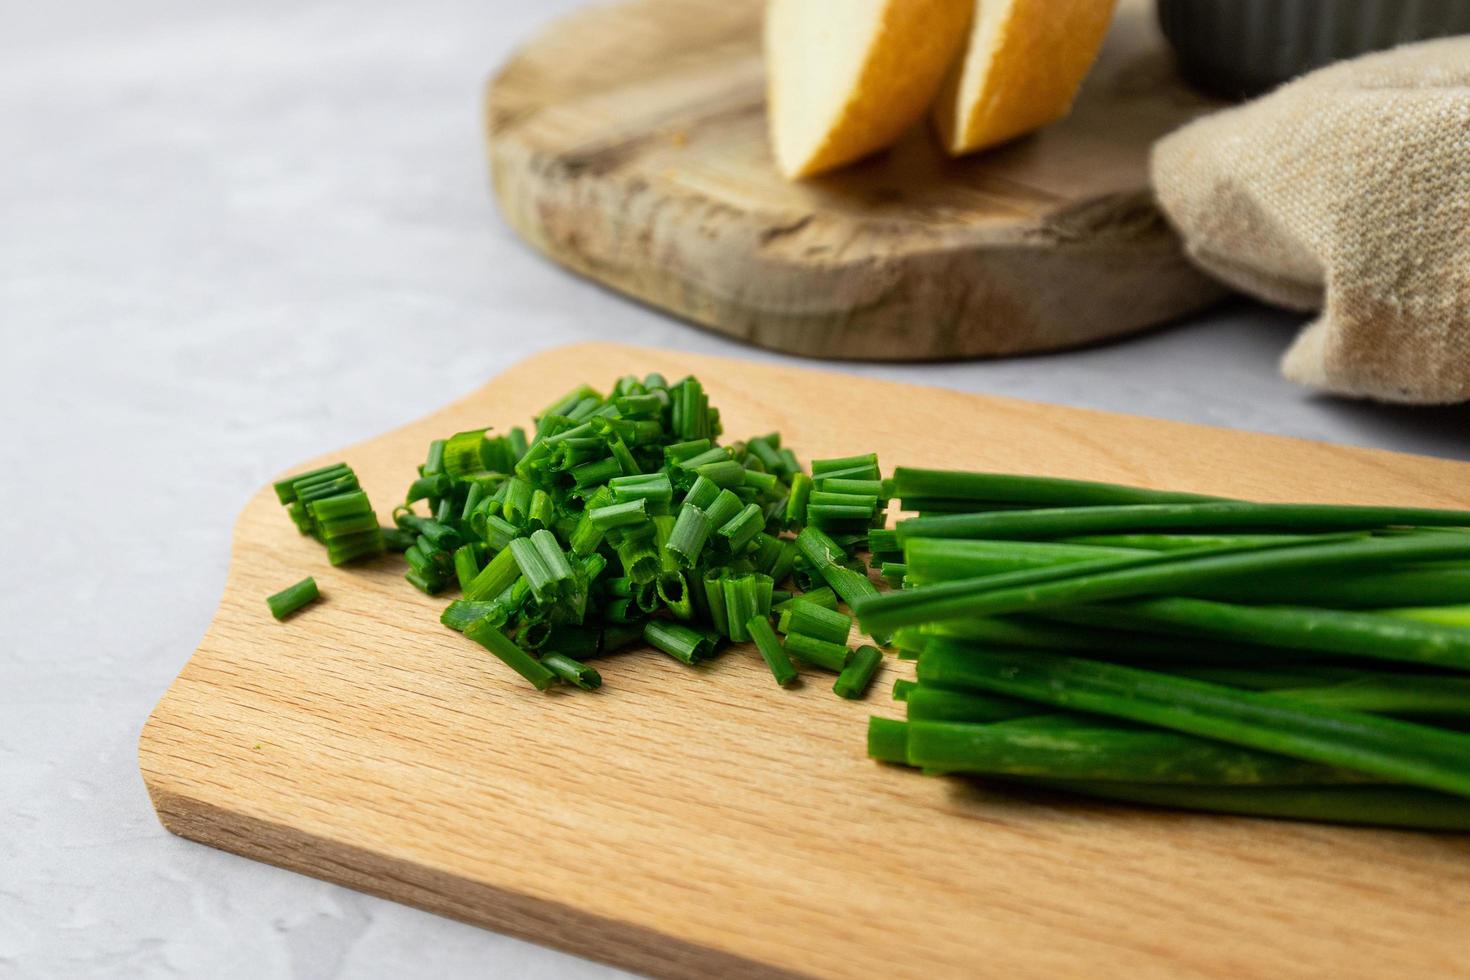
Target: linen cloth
1346, 192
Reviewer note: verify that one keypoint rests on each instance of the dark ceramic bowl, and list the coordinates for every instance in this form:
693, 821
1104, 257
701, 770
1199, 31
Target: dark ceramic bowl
1241, 48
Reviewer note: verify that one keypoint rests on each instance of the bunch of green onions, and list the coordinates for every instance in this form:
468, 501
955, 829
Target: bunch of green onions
1300, 661
619, 519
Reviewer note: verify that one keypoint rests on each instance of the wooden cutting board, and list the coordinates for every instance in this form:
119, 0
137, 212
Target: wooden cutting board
705, 822
628, 142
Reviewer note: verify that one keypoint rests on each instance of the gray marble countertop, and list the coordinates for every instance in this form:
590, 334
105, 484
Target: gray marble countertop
236, 235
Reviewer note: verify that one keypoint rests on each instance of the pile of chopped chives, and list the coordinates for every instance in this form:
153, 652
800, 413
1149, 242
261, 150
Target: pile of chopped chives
1179, 650
619, 520
1298, 661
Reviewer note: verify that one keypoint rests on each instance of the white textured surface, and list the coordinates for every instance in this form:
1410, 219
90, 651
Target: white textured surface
233, 236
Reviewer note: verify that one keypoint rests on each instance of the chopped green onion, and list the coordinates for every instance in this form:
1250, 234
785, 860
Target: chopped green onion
796, 502
673, 591
860, 488
640, 559
491, 638
497, 576
466, 565
740, 605
759, 629
762, 482
858, 673
528, 559
679, 452
823, 597
598, 472
806, 617
293, 597
572, 671
818, 653
690, 532
644, 486
822, 552
827, 467
460, 613
619, 515
724, 507
685, 645
427, 584
554, 559
724, 473
285, 489
740, 530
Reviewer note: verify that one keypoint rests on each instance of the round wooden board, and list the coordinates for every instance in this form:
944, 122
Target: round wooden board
628, 143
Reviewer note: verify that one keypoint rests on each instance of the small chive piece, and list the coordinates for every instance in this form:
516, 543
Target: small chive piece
654, 487
462, 612
674, 592
726, 473
759, 628
686, 645
466, 565
292, 598
702, 493
285, 489
763, 482
824, 555
555, 561
823, 597
397, 539
818, 653
712, 583
542, 513
595, 473
853, 682
497, 532
633, 511
497, 576
741, 529
491, 638
740, 605
688, 537
725, 506
681, 452
528, 559
572, 671
814, 620
801, 491
830, 468
427, 584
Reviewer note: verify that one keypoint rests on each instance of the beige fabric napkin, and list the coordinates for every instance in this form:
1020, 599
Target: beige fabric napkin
1346, 191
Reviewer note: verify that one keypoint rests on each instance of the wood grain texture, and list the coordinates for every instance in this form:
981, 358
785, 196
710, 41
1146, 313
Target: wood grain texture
704, 822
628, 142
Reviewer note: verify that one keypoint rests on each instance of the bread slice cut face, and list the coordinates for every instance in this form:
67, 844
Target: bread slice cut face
1021, 69
846, 78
